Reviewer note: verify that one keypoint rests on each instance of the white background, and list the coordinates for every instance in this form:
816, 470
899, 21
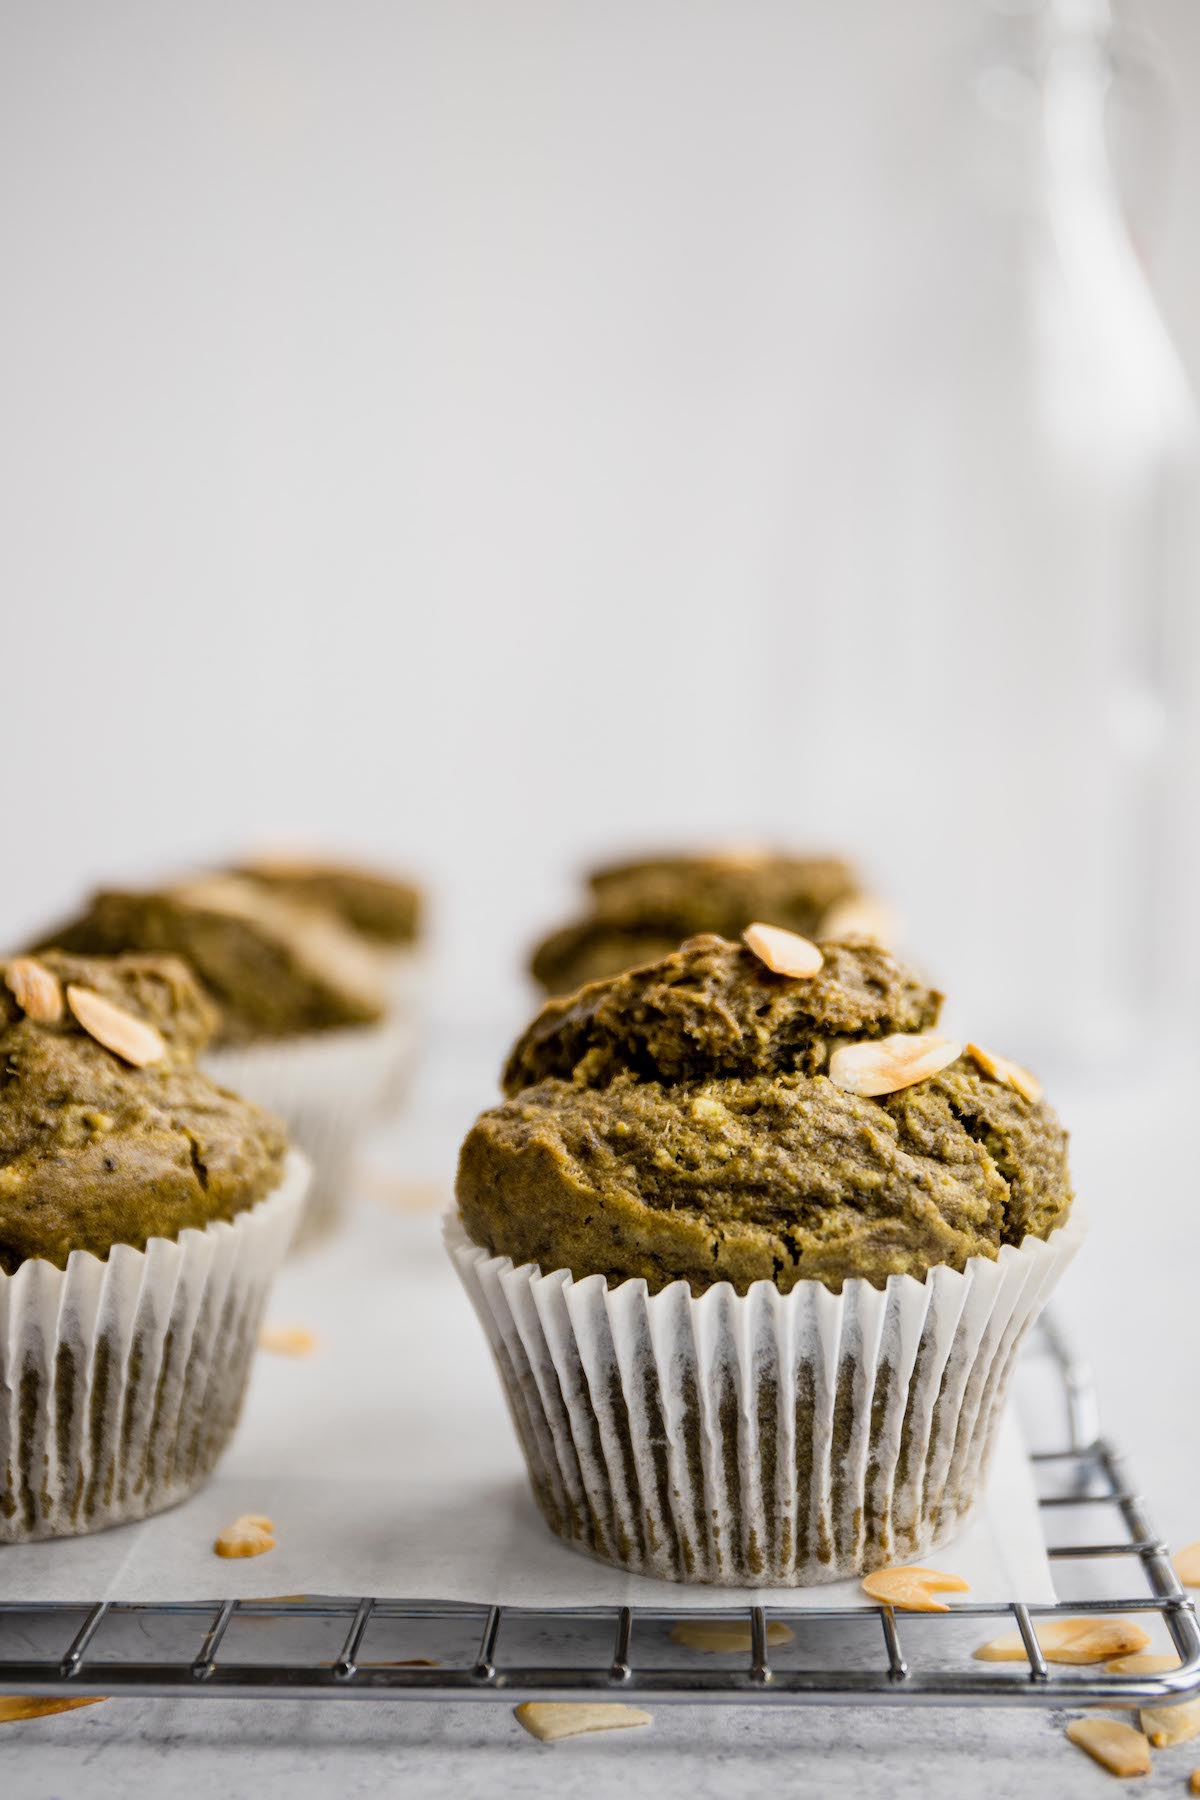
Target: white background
484, 436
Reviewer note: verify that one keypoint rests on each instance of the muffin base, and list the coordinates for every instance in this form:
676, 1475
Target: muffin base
764, 1439
121, 1380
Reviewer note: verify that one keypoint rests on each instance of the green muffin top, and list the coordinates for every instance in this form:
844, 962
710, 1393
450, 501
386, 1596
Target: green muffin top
643, 910
707, 1119
109, 1133
378, 906
274, 969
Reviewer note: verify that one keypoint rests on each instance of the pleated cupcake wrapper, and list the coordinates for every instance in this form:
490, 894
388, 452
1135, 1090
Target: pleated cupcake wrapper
121, 1381
763, 1439
328, 1088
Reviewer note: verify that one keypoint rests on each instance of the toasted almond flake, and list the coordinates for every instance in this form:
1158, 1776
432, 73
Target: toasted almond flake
35, 989
1010, 1073
1144, 1662
251, 1535
119, 1031
913, 1588
1194, 1781
1168, 1725
885, 1065
727, 1635
860, 918
1116, 1746
1087, 1640
14, 1707
550, 1720
784, 952
287, 1340
1187, 1565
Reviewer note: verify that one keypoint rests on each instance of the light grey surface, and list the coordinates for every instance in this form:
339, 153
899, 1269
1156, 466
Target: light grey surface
280, 1751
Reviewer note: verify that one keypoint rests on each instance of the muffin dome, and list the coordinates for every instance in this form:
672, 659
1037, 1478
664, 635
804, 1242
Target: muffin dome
377, 906
643, 910
273, 968
109, 1133
679, 1122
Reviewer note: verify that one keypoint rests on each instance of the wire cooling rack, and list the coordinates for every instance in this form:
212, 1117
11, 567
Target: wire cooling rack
325, 1648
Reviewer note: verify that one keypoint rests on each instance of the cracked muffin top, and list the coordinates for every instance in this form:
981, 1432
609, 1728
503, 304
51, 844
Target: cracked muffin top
710, 1119
643, 910
273, 968
380, 907
109, 1133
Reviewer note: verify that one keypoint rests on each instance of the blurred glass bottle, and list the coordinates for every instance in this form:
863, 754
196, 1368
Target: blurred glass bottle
1049, 576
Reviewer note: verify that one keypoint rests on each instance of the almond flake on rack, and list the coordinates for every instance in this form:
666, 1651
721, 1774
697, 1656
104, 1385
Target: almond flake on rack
36, 991
1187, 1565
913, 1588
119, 1031
1087, 1640
885, 1065
287, 1340
784, 952
1010, 1073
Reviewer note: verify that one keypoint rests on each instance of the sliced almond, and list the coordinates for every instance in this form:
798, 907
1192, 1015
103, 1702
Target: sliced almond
1194, 1782
726, 1636
14, 1707
550, 1720
36, 991
913, 1588
251, 1535
1010, 1073
784, 952
1093, 1639
885, 1065
1187, 1565
1144, 1662
287, 1340
119, 1031
1167, 1725
862, 918
1116, 1746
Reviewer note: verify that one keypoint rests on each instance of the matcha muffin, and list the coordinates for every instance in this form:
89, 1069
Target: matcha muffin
143, 1213
640, 911
754, 1245
304, 1020
382, 908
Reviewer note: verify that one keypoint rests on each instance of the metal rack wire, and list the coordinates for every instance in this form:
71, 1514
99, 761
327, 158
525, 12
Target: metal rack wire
259, 1649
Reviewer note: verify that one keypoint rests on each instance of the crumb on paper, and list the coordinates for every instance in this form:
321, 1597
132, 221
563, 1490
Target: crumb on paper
287, 1340
251, 1535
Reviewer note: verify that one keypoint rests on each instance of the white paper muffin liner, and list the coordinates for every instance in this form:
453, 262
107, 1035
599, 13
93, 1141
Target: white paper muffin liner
328, 1088
121, 1380
765, 1439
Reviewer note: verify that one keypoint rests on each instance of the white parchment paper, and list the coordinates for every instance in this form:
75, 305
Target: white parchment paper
388, 1464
